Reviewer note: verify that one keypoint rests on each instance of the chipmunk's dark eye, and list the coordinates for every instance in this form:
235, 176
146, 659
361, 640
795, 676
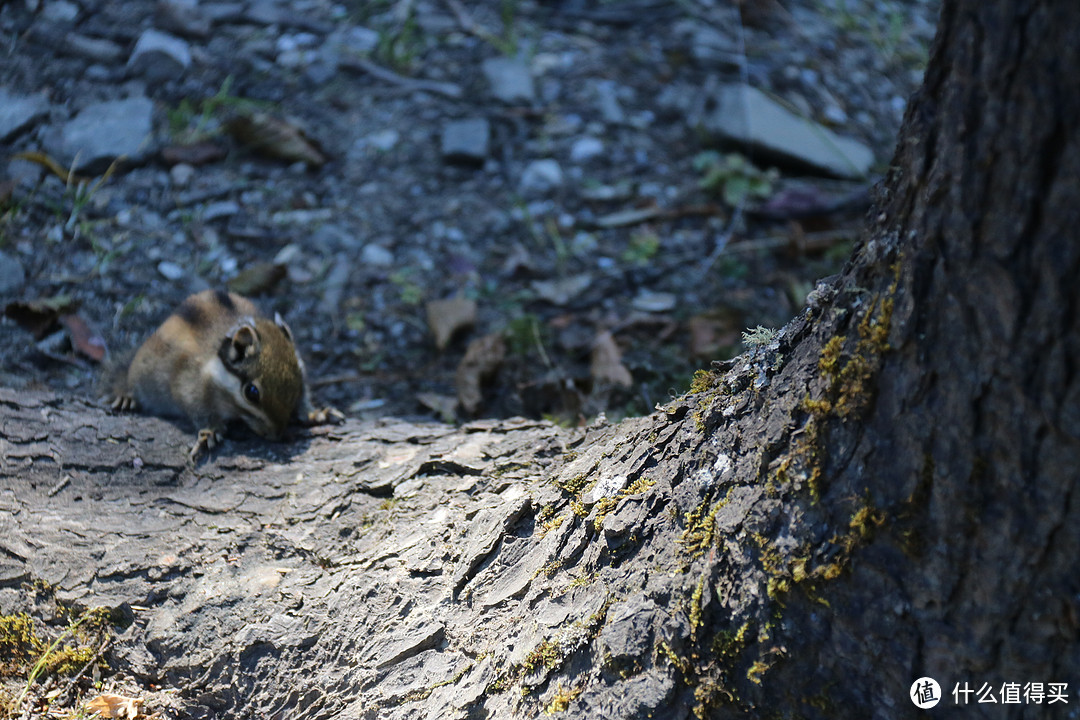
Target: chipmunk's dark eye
251, 393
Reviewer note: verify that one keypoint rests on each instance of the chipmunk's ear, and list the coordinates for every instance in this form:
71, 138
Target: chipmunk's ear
280, 322
242, 342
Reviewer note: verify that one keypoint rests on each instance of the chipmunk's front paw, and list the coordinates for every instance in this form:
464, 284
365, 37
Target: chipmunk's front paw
207, 441
121, 403
325, 416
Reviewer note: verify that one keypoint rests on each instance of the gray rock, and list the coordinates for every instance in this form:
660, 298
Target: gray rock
60, 11
17, 112
159, 56
12, 274
280, 631
466, 141
746, 116
401, 643
105, 131
428, 669
709, 45
334, 288
170, 270
92, 48
220, 209
541, 176
376, 255
653, 302
585, 149
222, 12
509, 80
628, 632
181, 174
356, 40
383, 140
320, 71
608, 100
182, 17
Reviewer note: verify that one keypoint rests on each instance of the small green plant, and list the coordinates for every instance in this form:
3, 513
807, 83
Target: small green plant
643, 246
523, 334
194, 121
734, 178
19, 643
399, 47
410, 292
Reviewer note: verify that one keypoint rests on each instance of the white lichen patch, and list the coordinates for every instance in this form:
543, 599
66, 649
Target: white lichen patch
606, 487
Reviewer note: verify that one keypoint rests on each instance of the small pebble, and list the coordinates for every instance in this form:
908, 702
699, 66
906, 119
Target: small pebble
170, 270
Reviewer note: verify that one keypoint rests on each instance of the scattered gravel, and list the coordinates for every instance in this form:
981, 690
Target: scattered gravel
550, 169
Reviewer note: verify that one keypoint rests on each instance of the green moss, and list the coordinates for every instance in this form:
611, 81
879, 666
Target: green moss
583, 580
700, 529
756, 671
704, 381
606, 505
819, 407
695, 606
727, 645
640, 485
663, 649
545, 655
549, 569
424, 693
865, 521
18, 643
603, 508
68, 660
561, 699
830, 356
575, 485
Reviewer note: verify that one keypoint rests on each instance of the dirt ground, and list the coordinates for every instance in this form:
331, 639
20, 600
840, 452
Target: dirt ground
606, 257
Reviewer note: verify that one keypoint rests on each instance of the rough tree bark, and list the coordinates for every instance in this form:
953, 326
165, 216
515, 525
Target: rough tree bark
883, 492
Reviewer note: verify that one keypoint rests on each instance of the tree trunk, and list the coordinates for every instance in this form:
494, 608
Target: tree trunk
883, 492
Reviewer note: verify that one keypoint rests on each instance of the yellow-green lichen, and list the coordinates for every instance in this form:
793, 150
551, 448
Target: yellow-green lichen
561, 699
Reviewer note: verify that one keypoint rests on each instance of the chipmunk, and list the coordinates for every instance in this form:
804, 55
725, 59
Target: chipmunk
217, 359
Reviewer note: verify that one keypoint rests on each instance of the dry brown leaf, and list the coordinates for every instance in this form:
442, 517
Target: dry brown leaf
714, 333
7, 189
40, 317
83, 339
607, 367
257, 278
447, 317
482, 359
109, 705
275, 137
200, 153
560, 292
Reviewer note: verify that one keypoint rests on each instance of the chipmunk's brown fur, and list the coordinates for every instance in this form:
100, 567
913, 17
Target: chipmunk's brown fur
217, 359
